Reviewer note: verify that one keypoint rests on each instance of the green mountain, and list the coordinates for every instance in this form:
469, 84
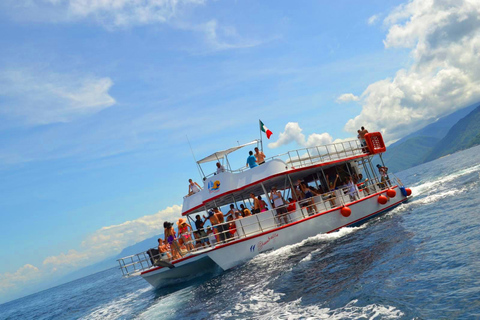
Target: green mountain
463, 135
413, 149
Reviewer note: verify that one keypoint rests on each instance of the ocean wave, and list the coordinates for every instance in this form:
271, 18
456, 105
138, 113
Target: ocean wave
424, 187
295, 310
118, 307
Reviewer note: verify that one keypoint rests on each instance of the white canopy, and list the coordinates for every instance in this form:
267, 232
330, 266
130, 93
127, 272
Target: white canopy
220, 154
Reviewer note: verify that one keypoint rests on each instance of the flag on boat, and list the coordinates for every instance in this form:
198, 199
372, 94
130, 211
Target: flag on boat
265, 129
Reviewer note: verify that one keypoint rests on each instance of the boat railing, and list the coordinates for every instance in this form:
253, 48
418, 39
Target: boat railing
314, 155
261, 222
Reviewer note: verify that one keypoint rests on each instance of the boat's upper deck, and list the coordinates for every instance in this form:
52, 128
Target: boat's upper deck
217, 187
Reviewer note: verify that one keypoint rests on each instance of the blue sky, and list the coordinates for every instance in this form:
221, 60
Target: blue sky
97, 98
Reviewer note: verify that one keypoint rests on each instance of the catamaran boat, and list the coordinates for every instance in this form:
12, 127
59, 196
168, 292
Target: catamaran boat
329, 207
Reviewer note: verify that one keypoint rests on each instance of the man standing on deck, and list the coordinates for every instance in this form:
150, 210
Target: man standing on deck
221, 229
260, 156
251, 160
361, 134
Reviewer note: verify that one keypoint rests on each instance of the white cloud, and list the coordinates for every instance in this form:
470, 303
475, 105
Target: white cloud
39, 97
104, 242
293, 132
445, 73
23, 275
347, 97
373, 19
223, 38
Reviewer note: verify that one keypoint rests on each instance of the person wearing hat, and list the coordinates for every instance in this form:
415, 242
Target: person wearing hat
185, 235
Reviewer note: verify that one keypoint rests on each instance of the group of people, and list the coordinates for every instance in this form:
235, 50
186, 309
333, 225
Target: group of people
256, 159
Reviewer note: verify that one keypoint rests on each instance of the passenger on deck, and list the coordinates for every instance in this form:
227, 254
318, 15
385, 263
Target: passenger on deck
184, 234
171, 239
220, 168
352, 190
308, 195
201, 231
263, 204
279, 204
332, 186
162, 248
362, 134
199, 243
251, 160
361, 183
260, 156
232, 228
193, 187
256, 204
245, 211
234, 212
211, 236
291, 205
221, 228
384, 173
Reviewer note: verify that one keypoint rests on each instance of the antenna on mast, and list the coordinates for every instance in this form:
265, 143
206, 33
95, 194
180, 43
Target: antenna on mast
193, 155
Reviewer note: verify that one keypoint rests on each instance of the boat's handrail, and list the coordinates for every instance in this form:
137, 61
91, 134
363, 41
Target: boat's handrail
314, 155
264, 221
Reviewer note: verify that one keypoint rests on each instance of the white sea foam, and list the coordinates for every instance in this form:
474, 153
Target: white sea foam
441, 181
118, 307
166, 306
285, 251
295, 310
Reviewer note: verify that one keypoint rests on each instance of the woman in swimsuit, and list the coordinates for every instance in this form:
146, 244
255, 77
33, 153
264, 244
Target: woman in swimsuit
184, 234
171, 239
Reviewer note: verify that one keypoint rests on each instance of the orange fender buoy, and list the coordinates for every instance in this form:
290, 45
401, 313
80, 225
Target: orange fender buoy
346, 211
391, 193
382, 199
409, 191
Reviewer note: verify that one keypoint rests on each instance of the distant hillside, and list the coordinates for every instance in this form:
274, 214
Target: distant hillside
140, 246
414, 149
463, 135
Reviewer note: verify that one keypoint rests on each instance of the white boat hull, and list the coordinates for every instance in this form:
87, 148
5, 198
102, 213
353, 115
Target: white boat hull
231, 254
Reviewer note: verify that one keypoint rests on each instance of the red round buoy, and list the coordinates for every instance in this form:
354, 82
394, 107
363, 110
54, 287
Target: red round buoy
391, 193
409, 191
382, 199
346, 211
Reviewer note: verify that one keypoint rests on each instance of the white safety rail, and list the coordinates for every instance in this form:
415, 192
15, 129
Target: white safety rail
264, 221
315, 155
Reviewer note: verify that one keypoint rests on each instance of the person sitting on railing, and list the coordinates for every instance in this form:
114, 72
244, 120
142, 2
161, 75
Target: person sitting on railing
332, 186
193, 187
308, 195
361, 183
220, 168
184, 234
256, 204
260, 156
199, 243
251, 160
171, 238
279, 204
162, 248
245, 211
384, 173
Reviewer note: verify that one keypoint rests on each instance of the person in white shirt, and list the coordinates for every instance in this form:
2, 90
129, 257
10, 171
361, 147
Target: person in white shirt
220, 168
193, 187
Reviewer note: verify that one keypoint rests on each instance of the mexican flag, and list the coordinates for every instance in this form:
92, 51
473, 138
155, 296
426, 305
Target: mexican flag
265, 129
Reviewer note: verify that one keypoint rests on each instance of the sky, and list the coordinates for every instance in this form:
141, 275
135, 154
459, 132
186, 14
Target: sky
98, 97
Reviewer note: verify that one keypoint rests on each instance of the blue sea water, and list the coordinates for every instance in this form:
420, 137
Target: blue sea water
418, 261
